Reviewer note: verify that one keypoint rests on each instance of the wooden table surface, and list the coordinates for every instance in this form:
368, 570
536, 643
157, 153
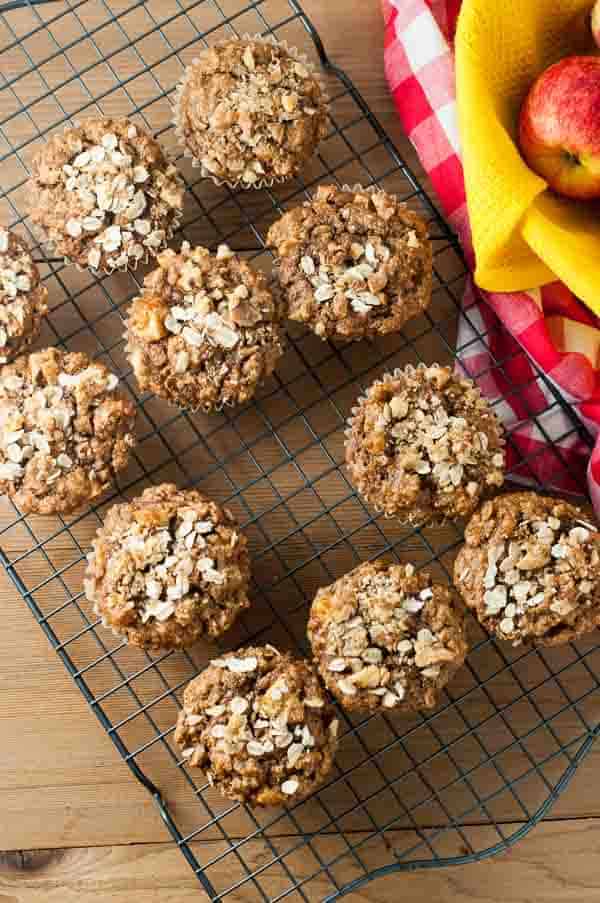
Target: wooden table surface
74, 825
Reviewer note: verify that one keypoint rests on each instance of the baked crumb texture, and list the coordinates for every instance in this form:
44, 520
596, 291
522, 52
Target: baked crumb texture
23, 299
530, 569
206, 330
64, 431
168, 568
105, 195
424, 446
387, 637
353, 263
250, 112
260, 725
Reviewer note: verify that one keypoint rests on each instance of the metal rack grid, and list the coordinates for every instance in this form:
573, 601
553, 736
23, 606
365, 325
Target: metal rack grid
453, 786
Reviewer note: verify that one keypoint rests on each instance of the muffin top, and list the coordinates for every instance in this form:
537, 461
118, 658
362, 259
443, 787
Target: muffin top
260, 724
530, 569
105, 195
387, 637
167, 568
206, 329
250, 112
424, 445
64, 430
22, 296
353, 263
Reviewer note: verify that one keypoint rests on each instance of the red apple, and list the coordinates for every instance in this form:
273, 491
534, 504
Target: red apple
559, 128
596, 23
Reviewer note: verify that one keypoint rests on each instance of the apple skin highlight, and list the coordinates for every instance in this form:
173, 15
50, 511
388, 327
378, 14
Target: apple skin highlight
559, 127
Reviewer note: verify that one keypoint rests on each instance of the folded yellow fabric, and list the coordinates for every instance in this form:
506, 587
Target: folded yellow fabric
524, 236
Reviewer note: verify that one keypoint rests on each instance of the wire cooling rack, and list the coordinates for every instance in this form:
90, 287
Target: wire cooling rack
453, 786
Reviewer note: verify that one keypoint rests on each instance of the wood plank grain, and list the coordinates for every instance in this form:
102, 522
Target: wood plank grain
556, 863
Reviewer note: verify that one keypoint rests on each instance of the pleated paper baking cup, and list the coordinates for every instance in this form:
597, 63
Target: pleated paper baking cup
239, 183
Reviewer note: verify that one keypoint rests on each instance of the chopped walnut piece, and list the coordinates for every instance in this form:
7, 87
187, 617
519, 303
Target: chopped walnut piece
348, 271
249, 111
206, 330
168, 568
105, 194
529, 569
422, 443
266, 733
387, 636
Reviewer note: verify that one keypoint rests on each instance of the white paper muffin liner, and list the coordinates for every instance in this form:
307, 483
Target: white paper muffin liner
237, 184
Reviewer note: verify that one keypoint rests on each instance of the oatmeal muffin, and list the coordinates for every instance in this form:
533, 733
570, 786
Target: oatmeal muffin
168, 568
530, 569
250, 112
104, 194
206, 330
260, 725
64, 431
352, 263
22, 296
387, 637
423, 445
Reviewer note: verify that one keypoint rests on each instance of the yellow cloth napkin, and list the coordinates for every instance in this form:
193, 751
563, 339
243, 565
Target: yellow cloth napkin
524, 236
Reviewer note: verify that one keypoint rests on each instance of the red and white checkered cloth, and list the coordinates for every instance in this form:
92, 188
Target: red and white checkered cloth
548, 325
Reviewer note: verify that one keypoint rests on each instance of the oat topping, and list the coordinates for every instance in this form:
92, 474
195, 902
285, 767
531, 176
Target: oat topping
423, 444
353, 263
530, 568
249, 112
206, 330
167, 568
64, 431
260, 725
105, 194
385, 636
22, 296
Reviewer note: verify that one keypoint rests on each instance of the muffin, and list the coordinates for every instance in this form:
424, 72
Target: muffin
423, 445
64, 431
352, 263
206, 331
250, 112
168, 568
22, 296
530, 569
105, 195
386, 637
260, 725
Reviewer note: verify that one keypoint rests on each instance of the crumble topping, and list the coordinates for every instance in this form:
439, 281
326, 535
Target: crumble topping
260, 724
105, 194
424, 444
22, 296
386, 636
167, 568
249, 112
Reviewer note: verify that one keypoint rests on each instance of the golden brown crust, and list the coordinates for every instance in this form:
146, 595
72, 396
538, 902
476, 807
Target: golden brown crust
250, 112
64, 431
105, 195
206, 332
260, 725
168, 568
387, 637
23, 298
353, 263
423, 445
530, 569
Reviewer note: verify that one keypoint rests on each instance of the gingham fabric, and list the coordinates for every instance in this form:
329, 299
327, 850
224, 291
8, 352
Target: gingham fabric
555, 329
